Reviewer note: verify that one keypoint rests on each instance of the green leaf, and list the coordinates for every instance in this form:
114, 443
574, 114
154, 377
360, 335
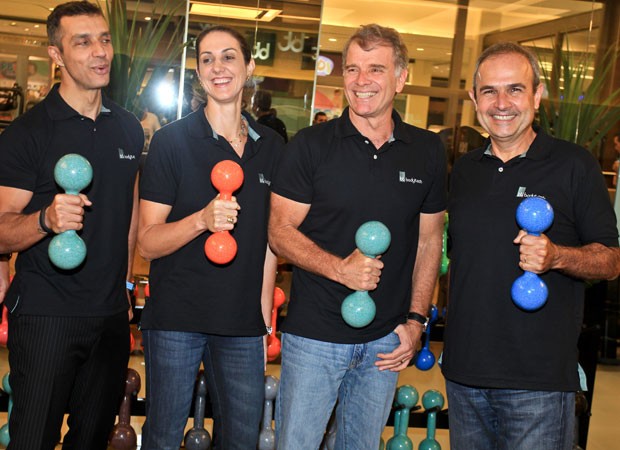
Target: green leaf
135, 44
575, 111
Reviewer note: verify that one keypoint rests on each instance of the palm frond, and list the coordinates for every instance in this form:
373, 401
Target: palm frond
575, 111
135, 45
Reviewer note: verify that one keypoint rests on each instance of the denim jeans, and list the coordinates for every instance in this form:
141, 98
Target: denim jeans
234, 369
508, 419
315, 374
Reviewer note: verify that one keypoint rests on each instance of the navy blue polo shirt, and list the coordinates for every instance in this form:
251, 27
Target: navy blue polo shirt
347, 181
29, 150
189, 292
489, 341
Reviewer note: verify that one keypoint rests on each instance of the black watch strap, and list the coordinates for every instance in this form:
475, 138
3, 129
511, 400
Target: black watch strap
423, 320
43, 229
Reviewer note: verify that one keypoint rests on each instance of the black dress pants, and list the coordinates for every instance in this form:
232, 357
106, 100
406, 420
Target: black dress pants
66, 364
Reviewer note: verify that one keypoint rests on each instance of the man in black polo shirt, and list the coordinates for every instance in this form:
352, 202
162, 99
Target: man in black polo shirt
68, 329
365, 165
511, 373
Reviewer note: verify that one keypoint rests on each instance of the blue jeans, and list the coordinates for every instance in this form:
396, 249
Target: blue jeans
508, 419
315, 374
234, 369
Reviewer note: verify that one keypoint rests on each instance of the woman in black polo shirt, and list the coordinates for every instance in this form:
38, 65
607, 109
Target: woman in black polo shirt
199, 311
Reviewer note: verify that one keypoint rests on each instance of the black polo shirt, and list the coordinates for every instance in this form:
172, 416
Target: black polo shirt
189, 292
29, 150
489, 341
347, 181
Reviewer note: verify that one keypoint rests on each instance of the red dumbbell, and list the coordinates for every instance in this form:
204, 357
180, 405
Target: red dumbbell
227, 177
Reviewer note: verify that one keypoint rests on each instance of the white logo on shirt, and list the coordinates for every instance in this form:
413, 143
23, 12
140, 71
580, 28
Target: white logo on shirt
263, 180
522, 194
402, 177
122, 155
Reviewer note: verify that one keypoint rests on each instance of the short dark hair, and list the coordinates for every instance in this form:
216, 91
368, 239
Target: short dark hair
367, 36
262, 100
506, 48
69, 9
319, 114
243, 43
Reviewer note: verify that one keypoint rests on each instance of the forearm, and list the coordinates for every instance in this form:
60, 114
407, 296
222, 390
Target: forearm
4, 278
19, 232
290, 243
426, 269
162, 239
132, 237
590, 262
269, 284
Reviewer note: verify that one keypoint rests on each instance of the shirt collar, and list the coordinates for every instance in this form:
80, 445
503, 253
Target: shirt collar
200, 127
59, 109
345, 127
539, 149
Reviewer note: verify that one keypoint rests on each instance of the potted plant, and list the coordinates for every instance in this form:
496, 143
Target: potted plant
135, 44
574, 110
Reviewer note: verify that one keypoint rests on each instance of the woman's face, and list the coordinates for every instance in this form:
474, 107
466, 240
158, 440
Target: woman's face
221, 67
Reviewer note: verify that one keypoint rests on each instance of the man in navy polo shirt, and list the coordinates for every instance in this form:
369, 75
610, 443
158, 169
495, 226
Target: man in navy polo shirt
511, 373
335, 176
68, 329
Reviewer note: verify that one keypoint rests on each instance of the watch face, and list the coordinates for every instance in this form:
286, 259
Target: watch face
269, 330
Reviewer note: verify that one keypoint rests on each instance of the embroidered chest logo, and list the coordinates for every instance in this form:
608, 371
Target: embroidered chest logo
263, 180
402, 177
522, 194
122, 155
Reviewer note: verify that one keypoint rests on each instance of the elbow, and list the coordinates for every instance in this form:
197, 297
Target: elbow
142, 251
273, 240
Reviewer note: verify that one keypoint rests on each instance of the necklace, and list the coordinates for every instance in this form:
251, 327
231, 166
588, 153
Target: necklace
243, 132
238, 140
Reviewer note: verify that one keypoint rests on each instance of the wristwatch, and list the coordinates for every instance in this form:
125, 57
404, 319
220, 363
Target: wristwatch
269, 330
422, 320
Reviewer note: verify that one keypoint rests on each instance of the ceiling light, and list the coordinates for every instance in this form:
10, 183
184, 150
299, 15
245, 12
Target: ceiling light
333, 40
234, 12
420, 49
147, 18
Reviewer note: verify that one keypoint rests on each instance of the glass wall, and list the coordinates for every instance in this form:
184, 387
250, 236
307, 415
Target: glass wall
444, 39
297, 45
284, 36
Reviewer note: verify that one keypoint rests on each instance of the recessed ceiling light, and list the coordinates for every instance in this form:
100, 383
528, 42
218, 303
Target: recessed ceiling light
420, 49
234, 12
13, 24
36, 26
147, 18
333, 40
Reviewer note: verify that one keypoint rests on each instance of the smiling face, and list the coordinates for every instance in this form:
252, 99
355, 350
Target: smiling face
86, 53
221, 67
506, 99
371, 80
